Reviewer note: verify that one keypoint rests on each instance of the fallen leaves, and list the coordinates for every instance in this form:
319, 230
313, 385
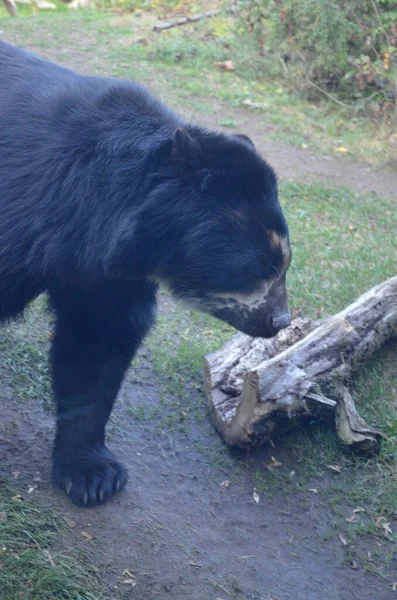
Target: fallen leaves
334, 468
131, 578
226, 65
342, 539
249, 102
381, 523
314, 490
341, 149
352, 519
87, 536
274, 464
226, 484
256, 496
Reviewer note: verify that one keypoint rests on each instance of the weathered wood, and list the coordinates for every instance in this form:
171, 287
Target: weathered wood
11, 7
186, 20
256, 386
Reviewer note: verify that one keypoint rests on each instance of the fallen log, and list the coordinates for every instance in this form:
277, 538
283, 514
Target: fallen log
186, 20
257, 388
11, 7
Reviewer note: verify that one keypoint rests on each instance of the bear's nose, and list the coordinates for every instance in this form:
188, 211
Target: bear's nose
281, 321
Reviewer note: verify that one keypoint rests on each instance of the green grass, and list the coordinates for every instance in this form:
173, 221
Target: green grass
24, 349
342, 242
31, 565
179, 64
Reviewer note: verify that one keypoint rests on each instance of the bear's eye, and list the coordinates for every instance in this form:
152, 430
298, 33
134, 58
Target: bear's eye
269, 272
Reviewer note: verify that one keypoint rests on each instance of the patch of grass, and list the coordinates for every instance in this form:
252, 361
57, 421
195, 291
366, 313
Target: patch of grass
31, 567
24, 347
180, 342
179, 64
342, 244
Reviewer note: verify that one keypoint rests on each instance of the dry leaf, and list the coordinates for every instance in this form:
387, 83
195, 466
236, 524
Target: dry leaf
249, 102
352, 519
354, 565
256, 496
17, 498
274, 464
334, 468
359, 509
87, 535
394, 586
131, 578
342, 539
227, 65
31, 489
352, 228
387, 530
3, 516
16, 474
128, 573
226, 483
314, 490
342, 149
192, 563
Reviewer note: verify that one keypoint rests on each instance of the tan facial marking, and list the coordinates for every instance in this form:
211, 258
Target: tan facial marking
280, 241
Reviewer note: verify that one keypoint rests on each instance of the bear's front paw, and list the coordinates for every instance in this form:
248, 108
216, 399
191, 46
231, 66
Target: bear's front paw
89, 476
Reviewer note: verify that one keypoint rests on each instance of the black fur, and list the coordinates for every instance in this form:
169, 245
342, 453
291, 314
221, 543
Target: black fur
104, 192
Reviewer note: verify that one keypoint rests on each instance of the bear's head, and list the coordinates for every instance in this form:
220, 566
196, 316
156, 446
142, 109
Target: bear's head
217, 231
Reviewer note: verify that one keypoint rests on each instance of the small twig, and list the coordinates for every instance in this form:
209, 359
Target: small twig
319, 89
375, 7
365, 33
186, 20
285, 69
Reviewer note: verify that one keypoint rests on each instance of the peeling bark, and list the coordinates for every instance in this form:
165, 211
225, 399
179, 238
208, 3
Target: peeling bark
256, 387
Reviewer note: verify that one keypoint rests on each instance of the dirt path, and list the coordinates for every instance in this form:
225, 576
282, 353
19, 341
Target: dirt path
182, 534
304, 165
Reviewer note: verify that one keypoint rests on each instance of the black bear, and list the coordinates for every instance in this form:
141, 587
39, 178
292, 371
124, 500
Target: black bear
105, 194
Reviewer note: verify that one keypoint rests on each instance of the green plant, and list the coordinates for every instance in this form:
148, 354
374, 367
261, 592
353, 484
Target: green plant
345, 47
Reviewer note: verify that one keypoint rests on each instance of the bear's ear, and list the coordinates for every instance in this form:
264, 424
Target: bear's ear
185, 147
246, 139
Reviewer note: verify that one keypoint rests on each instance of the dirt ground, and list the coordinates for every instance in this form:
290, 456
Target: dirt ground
175, 527
178, 530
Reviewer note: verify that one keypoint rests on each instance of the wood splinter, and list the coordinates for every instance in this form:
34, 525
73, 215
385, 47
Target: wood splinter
257, 388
